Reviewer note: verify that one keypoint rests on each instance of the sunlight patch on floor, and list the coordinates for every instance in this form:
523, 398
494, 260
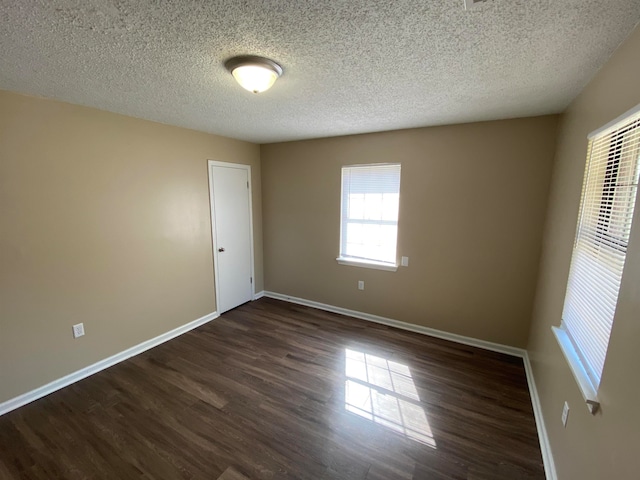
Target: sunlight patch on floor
383, 392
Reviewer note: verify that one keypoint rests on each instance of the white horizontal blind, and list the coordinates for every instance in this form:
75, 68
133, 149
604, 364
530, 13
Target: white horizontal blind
602, 236
369, 218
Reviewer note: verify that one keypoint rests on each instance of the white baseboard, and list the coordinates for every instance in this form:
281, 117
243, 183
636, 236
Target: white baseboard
432, 332
545, 447
258, 295
44, 390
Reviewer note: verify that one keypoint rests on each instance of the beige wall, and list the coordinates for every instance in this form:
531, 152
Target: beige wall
472, 206
605, 445
104, 219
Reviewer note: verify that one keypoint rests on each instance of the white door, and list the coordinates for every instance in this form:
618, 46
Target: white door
232, 233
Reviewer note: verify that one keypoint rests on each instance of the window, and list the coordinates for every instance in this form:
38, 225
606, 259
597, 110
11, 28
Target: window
369, 215
599, 251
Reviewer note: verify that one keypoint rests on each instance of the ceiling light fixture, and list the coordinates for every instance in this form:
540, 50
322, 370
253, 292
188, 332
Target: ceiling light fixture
255, 74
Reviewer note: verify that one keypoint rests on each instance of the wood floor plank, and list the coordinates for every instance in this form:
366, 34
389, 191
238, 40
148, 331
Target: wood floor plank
232, 474
273, 390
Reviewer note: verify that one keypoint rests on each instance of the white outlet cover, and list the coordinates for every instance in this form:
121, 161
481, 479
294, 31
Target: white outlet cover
565, 414
78, 330
360, 284
404, 261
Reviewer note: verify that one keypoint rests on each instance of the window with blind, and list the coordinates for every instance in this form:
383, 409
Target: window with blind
599, 251
369, 215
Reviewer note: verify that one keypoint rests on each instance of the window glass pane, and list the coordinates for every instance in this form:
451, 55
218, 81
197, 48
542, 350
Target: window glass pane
355, 234
356, 206
373, 206
390, 203
371, 241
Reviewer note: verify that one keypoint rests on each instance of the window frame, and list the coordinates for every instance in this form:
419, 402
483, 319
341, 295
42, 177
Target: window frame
344, 259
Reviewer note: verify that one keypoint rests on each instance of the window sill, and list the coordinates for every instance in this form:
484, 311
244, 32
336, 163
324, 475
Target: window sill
367, 264
588, 389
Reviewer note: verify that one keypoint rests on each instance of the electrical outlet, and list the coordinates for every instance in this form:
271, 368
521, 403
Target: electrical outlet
78, 330
565, 414
404, 261
360, 284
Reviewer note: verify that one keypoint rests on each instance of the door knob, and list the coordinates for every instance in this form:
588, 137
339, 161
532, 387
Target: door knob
221, 249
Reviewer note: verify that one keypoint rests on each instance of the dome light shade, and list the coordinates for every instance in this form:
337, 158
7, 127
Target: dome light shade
255, 74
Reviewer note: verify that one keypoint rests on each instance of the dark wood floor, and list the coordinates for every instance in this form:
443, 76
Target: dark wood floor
273, 390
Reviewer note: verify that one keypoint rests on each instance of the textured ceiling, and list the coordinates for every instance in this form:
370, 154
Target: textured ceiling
350, 66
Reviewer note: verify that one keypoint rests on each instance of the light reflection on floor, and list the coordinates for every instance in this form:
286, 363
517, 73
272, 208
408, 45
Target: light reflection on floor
383, 391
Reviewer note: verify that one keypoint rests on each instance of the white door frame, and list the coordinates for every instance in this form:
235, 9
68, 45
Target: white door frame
216, 274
